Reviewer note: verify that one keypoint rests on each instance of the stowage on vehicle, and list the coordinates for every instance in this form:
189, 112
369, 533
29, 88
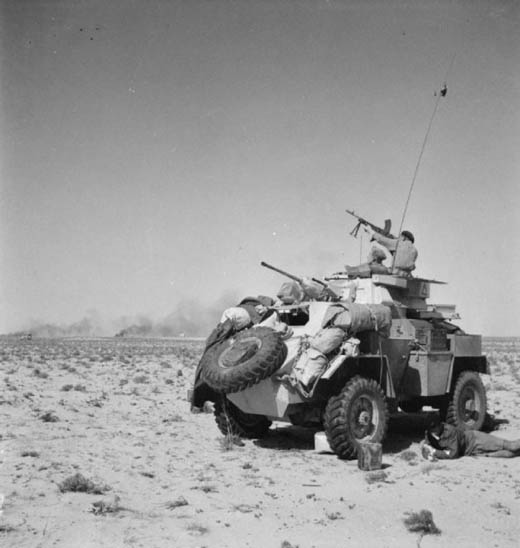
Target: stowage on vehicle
341, 358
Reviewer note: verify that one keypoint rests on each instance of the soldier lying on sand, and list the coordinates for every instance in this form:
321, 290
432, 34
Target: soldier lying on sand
444, 441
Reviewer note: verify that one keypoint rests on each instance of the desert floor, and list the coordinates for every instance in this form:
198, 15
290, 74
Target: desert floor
115, 411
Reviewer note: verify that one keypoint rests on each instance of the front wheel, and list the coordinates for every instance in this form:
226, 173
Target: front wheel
467, 405
358, 413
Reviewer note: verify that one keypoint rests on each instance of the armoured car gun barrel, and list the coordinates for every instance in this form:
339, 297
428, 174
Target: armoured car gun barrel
326, 289
385, 231
280, 271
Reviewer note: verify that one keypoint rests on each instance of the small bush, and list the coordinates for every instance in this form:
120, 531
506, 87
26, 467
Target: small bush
422, 523
30, 454
102, 507
49, 417
172, 504
228, 442
196, 529
66, 387
376, 476
79, 484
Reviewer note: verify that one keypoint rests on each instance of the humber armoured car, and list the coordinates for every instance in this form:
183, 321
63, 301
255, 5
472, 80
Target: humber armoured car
343, 362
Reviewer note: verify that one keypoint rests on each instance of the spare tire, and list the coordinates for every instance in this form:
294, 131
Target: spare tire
243, 360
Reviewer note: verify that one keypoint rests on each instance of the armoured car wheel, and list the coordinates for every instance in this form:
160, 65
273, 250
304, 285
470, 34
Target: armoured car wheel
467, 406
243, 360
358, 413
231, 420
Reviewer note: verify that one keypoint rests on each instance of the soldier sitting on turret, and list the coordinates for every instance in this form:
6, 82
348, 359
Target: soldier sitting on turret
402, 249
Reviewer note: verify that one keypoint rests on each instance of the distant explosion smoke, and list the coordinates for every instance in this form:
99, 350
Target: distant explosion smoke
190, 318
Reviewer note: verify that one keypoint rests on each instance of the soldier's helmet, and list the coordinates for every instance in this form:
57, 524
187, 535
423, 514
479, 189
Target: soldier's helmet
408, 235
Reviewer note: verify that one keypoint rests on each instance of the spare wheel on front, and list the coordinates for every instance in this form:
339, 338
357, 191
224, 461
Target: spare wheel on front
243, 360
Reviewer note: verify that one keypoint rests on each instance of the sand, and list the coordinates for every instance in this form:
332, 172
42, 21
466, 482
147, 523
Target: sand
115, 411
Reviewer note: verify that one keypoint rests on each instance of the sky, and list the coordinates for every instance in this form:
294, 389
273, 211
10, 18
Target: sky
152, 154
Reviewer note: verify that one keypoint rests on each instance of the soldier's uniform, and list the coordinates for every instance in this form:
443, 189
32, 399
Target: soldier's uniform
450, 442
404, 252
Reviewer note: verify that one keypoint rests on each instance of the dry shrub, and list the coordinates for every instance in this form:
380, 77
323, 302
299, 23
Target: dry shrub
49, 416
102, 507
80, 484
334, 515
34, 454
172, 504
196, 529
422, 523
376, 476
228, 442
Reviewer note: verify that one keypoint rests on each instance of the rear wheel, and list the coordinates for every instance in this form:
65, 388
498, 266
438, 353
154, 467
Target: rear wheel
358, 413
467, 406
232, 421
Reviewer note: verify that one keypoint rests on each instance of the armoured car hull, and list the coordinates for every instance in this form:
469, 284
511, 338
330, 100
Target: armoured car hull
422, 359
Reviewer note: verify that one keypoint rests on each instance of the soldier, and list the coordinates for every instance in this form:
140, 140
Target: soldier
444, 441
402, 249
375, 260
374, 265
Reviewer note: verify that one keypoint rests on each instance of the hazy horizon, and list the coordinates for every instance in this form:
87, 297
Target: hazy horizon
152, 154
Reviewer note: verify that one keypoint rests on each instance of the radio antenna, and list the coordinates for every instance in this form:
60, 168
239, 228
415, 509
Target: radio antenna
441, 93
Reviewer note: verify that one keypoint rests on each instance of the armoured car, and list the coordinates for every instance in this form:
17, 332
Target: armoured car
420, 358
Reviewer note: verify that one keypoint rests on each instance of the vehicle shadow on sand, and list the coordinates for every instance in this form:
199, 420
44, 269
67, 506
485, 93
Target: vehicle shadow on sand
288, 437
404, 429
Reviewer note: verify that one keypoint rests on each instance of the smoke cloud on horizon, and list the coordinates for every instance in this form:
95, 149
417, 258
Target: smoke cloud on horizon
190, 318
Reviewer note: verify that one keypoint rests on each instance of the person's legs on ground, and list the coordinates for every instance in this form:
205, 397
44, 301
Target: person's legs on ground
503, 454
486, 443
513, 446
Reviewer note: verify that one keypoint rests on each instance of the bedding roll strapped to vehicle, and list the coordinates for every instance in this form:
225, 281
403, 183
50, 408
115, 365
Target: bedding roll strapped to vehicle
354, 318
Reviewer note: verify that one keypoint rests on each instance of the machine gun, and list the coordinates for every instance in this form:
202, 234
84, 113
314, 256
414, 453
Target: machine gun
327, 291
384, 231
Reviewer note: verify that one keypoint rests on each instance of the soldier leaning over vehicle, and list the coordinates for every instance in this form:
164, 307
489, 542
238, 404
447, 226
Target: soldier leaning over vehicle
402, 249
249, 312
374, 265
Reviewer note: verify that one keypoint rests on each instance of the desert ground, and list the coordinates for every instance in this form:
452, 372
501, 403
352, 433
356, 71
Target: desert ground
110, 417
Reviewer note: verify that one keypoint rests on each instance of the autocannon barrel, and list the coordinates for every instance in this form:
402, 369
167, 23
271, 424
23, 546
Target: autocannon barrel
280, 271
